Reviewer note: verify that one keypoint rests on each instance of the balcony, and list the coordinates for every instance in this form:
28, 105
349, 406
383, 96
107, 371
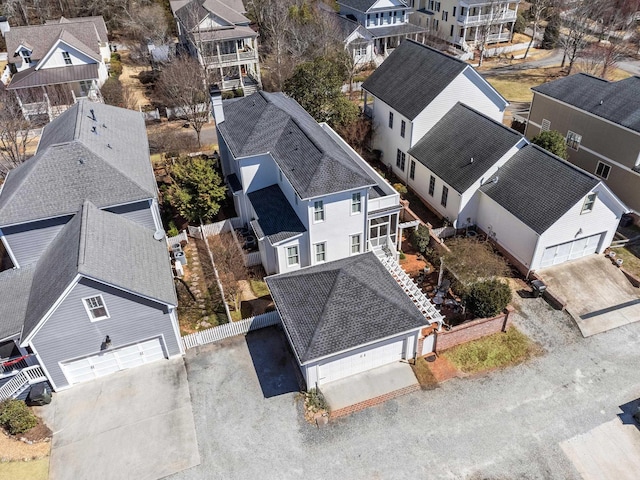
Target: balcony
495, 18
229, 59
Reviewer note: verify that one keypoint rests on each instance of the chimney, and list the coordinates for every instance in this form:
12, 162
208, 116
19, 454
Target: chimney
4, 25
216, 103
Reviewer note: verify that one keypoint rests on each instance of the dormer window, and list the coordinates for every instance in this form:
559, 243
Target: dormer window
67, 58
26, 56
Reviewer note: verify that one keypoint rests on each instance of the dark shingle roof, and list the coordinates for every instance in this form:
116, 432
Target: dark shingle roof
412, 76
191, 13
136, 262
312, 161
109, 167
276, 219
398, 29
538, 187
362, 5
14, 296
462, 134
341, 305
53, 76
618, 102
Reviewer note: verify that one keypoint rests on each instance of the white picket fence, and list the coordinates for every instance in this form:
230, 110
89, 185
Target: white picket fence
444, 232
217, 228
231, 329
252, 259
178, 238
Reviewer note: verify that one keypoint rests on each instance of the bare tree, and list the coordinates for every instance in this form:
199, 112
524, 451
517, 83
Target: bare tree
229, 261
14, 133
539, 10
576, 23
600, 58
487, 26
182, 84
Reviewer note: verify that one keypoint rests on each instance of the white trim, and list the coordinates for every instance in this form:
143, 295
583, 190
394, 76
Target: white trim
137, 294
469, 67
90, 312
351, 212
583, 210
3, 239
608, 160
297, 247
176, 330
48, 55
322, 210
43, 366
351, 252
607, 170
315, 252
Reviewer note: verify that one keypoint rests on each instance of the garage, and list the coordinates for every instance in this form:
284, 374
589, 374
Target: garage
570, 250
110, 361
360, 362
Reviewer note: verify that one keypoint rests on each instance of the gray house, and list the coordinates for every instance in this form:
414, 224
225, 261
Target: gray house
91, 290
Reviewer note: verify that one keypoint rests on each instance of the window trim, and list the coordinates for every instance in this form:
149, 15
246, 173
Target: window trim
545, 125
391, 120
320, 211
572, 142
289, 256
357, 203
432, 185
445, 196
324, 251
351, 244
90, 310
67, 58
403, 127
412, 169
605, 166
589, 202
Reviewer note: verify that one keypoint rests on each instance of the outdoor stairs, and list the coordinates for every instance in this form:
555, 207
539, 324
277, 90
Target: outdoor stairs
250, 89
21, 381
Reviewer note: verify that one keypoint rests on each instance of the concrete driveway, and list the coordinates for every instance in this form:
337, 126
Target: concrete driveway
135, 424
502, 425
598, 295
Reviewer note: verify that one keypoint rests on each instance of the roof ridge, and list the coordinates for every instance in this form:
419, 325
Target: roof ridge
321, 317
562, 160
443, 54
82, 246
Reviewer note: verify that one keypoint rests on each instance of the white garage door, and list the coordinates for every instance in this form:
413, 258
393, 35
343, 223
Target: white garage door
360, 362
570, 250
111, 361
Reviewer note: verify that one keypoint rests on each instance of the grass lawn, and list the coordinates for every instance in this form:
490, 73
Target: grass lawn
516, 86
31, 470
631, 261
259, 288
495, 351
425, 378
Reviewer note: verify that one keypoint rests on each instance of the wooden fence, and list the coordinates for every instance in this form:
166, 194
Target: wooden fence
231, 329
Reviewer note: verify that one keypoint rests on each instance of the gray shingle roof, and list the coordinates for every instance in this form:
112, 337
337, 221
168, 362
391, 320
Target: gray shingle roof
193, 12
109, 167
618, 102
341, 305
538, 187
14, 296
462, 134
276, 219
362, 5
398, 29
98, 21
136, 262
53, 76
412, 76
312, 161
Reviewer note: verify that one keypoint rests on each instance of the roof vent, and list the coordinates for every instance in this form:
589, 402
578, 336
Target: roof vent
601, 102
471, 161
109, 145
80, 161
104, 126
93, 115
93, 129
158, 235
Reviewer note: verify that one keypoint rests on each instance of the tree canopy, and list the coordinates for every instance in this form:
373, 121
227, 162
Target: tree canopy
552, 141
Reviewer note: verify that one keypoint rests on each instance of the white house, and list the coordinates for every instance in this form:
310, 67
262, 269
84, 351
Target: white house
358, 41
412, 90
308, 196
55, 64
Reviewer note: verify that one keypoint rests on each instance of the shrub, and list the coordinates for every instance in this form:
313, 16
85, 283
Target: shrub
521, 24
16, 417
115, 67
402, 256
552, 141
488, 298
400, 188
421, 238
173, 230
551, 33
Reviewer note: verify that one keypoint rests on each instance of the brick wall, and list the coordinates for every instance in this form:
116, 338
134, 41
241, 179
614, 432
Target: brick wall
635, 281
374, 401
472, 330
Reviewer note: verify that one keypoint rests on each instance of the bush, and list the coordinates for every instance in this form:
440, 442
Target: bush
112, 92
402, 256
115, 68
551, 33
488, 298
173, 230
400, 188
521, 24
421, 238
552, 141
16, 417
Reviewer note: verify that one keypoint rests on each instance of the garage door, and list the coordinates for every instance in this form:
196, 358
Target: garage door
111, 361
360, 362
570, 250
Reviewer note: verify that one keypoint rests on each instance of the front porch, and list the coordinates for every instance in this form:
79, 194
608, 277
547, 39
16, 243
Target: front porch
19, 370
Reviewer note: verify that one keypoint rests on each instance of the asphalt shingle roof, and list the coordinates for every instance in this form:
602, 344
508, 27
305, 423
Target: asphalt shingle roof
398, 29
14, 296
276, 219
110, 166
461, 135
136, 262
412, 76
193, 12
341, 305
363, 5
618, 102
538, 187
53, 76
312, 161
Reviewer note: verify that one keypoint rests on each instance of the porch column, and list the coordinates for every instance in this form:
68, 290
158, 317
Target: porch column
218, 52
513, 24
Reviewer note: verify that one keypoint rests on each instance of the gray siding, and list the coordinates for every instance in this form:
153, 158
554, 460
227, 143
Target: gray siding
29, 240
139, 212
69, 334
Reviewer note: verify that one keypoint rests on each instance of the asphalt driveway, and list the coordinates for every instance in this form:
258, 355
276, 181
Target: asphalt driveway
135, 424
598, 294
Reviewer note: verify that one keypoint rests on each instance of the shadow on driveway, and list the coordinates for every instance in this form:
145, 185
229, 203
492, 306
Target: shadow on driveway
273, 362
628, 409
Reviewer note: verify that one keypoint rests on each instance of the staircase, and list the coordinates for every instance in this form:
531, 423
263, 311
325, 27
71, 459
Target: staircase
20, 382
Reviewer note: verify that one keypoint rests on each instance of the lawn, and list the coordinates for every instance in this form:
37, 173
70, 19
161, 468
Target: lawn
259, 288
31, 470
516, 86
422, 372
494, 351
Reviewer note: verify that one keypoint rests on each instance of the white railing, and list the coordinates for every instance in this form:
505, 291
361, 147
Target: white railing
232, 329
19, 383
506, 15
229, 58
182, 236
498, 37
252, 259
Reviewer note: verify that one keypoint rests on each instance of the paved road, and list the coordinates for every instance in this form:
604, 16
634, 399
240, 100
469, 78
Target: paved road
503, 425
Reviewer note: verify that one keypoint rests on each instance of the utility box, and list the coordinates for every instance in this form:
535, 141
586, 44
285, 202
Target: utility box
180, 257
40, 394
538, 287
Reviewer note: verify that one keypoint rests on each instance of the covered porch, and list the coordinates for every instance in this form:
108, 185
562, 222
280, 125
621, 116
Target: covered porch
386, 39
19, 369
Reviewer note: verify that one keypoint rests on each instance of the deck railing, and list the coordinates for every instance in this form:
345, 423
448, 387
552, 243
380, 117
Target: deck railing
19, 383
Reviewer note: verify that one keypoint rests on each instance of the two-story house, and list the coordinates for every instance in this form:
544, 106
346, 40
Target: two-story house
465, 23
307, 195
601, 123
218, 34
386, 20
55, 64
358, 41
91, 290
412, 90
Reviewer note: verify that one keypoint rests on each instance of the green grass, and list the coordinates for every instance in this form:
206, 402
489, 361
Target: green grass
494, 351
422, 372
259, 288
631, 262
236, 315
31, 470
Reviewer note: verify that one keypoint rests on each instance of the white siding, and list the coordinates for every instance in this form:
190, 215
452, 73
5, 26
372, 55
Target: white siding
388, 140
421, 186
54, 58
303, 252
257, 172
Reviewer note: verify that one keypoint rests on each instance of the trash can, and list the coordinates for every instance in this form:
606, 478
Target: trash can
40, 394
538, 287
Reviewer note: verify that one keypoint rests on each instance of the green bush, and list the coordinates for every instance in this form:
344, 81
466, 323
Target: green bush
16, 417
421, 238
400, 188
173, 230
521, 24
402, 256
115, 69
551, 33
552, 141
488, 298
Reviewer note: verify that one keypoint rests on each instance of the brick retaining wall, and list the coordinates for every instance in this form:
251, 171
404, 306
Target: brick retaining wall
472, 330
374, 401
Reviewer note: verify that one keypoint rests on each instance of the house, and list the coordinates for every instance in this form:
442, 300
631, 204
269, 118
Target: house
386, 20
358, 41
308, 196
346, 317
218, 34
91, 289
55, 64
412, 90
601, 123
466, 23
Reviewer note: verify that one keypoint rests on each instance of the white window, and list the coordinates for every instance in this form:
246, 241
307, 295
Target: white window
318, 211
26, 56
355, 244
292, 256
321, 252
573, 140
67, 58
589, 202
445, 196
356, 203
603, 170
96, 308
546, 125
